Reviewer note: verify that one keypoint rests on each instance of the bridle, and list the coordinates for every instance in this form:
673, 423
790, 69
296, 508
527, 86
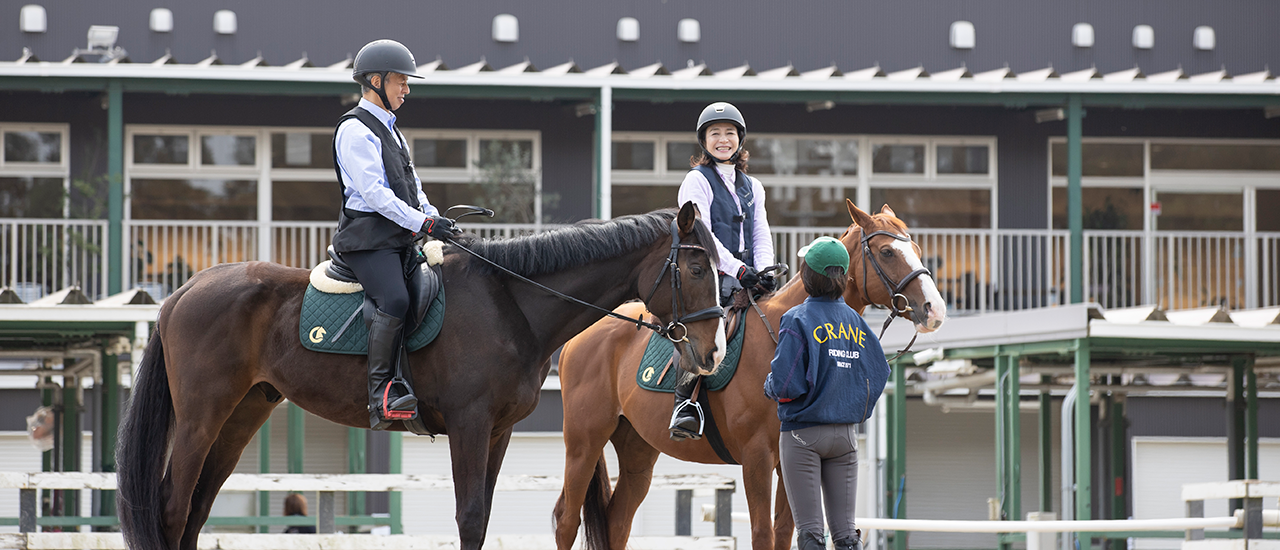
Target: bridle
895, 290
672, 328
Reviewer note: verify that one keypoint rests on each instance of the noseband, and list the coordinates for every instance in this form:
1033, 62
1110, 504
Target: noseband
895, 290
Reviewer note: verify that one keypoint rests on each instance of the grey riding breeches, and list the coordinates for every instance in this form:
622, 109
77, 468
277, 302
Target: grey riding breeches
820, 465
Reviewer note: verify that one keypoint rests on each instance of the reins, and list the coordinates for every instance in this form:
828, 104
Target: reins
895, 291
677, 304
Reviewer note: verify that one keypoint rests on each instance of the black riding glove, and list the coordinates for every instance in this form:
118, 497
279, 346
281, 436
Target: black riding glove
768, 283
440, 228
748, 276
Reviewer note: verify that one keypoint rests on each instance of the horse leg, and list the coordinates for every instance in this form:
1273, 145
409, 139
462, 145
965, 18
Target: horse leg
584, 440
784, 524
497, 451
636, 458
469, 443
757, 482
249, 415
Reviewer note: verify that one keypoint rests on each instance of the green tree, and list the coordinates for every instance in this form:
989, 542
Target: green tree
507, 186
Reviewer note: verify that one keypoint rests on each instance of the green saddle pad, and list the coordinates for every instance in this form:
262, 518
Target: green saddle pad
332, 323
659, 351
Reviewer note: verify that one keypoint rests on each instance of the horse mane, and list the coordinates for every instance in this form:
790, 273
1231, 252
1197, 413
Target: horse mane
582, 243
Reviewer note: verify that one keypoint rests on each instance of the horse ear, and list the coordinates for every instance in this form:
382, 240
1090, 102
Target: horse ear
687, 217
886, 210
859, 217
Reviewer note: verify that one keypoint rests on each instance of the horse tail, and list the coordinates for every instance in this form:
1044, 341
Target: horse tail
595, 509
142, 445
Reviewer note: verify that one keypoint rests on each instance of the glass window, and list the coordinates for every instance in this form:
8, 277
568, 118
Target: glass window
158, 149
1101, 159
941, 208
305, 200
791, 156
43, 147
302, 150
808, 206
1193, 156
633, 155
680, 154
1268, 210
641, 199
227, 150
963, 159
518, 150
1104, 207
1200, 212
440, 153
510, 203
897, 159
196, 199
27, 197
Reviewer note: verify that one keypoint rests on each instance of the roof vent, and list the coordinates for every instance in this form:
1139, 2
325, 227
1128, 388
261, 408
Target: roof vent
224, 22
32, 18
688, 30
506, 28
161, 20
628, 29
1082, 35
1203, 38
962, 35
1144, 37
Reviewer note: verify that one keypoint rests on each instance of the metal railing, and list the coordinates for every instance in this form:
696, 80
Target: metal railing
163, 254
42, 256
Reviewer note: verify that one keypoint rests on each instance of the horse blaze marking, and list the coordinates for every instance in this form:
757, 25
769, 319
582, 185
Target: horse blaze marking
317, 335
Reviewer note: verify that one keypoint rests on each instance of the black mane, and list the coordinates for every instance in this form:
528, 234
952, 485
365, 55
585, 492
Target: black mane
582, 243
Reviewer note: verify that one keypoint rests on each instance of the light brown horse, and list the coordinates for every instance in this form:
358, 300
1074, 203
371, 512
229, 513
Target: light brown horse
226, 350
602, 402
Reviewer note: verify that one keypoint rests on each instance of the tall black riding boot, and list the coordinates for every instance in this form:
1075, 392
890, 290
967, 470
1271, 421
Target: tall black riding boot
809, 540
390, 398
686, 418
851, 543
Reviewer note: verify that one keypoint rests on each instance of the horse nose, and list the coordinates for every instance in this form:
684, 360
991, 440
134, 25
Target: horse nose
934, 316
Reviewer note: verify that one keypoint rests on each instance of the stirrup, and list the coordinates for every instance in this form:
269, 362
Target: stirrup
678, 433
390, 413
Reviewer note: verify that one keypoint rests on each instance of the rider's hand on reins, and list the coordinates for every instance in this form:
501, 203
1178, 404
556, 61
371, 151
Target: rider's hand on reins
440, 228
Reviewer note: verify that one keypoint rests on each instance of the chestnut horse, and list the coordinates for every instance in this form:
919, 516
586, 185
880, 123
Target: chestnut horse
226, 349
602, 402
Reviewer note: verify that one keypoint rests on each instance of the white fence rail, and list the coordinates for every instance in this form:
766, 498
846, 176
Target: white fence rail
43, 256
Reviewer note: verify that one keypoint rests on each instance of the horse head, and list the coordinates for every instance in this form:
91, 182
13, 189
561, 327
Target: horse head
685, 293
886, 263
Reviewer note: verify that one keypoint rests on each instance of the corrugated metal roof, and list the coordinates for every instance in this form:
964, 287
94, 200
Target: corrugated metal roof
658, 76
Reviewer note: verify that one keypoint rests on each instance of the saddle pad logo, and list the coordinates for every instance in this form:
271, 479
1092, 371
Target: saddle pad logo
317, 335
648, 374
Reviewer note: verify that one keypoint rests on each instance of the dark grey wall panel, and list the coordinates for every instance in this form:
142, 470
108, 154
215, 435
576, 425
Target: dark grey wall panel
897, 34
1192, 416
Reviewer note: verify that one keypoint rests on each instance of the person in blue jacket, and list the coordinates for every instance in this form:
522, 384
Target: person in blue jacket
826, 376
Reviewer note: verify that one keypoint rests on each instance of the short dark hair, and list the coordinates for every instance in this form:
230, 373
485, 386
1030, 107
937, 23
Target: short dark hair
295, 505
819, 285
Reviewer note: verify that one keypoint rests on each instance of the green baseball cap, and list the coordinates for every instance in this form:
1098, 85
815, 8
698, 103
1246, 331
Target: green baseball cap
825, 252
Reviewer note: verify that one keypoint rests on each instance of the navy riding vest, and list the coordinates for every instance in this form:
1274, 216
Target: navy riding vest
729, 223
370, 230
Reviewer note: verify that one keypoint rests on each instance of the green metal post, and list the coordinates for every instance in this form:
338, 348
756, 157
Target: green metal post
1075, 210
1118, 462
48, 459
264, 467
297, 435
357, 463
1046, 446
898, 452
115, 184
1251, 421
1013, 412
70, 441
1236, 409
396, 447
109, 408
1084, 439
1002, 441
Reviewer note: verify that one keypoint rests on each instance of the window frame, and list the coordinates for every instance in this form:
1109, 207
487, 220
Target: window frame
61, 169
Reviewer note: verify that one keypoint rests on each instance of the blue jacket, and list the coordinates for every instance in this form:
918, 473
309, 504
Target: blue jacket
828, 369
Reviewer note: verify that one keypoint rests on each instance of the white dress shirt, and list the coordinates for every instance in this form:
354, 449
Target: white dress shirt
365, 178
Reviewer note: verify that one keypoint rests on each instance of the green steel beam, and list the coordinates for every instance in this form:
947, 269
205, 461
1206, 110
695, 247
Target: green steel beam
1075, 211
264, 467
898, 451
1045, 416
297, 436
1118, 462
1251, 421
1083, 439
396, 448
1236, 412
115, 185
1013, 412
109, 412
1051, 347
357, 463
70, 442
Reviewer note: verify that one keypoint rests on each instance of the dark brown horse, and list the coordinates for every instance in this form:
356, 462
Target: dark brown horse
226, 349
602, 402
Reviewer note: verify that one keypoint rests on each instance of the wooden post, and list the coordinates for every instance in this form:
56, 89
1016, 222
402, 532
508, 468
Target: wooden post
724, 512
684, 512
324, 513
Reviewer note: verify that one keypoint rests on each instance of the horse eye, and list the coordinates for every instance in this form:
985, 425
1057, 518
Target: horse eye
696, 270
886, 252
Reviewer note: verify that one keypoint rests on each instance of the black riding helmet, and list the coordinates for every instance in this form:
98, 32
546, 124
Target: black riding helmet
381, 57
721, 111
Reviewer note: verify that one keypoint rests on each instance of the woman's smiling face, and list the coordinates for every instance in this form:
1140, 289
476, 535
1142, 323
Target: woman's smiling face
721, 140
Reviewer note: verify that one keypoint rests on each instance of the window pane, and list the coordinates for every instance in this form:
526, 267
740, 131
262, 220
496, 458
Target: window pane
31, 197
302, 150
1104, 207
510, 204
1200, 212
203, 199
1189, 156
680, 154
43, 147
305, 200
936, 208
1101, 159
440, 153
160, 149
963, 159
1268, 207
633, 155
789, 156
514, 152
897, 159
227, 150
808, 206
642, 199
